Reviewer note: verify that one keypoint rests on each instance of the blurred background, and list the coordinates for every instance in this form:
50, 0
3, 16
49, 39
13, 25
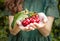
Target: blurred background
4, 31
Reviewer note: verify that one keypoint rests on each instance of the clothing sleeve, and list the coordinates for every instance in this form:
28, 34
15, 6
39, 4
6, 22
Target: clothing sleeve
51, 8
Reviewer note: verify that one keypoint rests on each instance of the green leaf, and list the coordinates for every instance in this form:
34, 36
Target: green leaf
19, 16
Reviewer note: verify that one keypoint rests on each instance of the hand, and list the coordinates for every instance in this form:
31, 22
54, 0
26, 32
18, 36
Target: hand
32, 26
40, 25
26, 28
42, 15
43, 21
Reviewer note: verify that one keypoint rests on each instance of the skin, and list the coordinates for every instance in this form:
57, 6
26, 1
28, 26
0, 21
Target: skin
44, 30
17, 27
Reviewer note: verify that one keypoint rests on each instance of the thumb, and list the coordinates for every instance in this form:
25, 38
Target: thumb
18, 22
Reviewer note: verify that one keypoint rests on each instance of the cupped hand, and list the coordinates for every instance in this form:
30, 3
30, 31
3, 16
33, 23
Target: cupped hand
40, 25
26, 28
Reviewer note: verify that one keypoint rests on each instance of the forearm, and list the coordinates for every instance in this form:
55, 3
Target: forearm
15, 30
45, 31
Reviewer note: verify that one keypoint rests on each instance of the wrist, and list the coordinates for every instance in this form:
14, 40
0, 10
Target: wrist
40, 28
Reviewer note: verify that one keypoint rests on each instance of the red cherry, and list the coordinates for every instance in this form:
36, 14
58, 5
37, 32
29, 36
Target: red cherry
31, 20
33, 17
24, 23
36, 16
37, 20
28, 20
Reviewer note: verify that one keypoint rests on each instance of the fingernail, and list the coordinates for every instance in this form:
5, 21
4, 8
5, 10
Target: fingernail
32, 28
26, 27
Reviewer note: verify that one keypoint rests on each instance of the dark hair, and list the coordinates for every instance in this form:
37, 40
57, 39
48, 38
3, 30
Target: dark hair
14, 5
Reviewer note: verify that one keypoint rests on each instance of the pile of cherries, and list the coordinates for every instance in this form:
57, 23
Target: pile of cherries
32, 19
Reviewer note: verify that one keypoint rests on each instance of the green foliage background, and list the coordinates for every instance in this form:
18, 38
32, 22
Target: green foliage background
4, 31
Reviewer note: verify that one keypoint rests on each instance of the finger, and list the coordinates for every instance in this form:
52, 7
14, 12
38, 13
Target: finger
22, 28
32, 25
27, 28
40, 25
31, 28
